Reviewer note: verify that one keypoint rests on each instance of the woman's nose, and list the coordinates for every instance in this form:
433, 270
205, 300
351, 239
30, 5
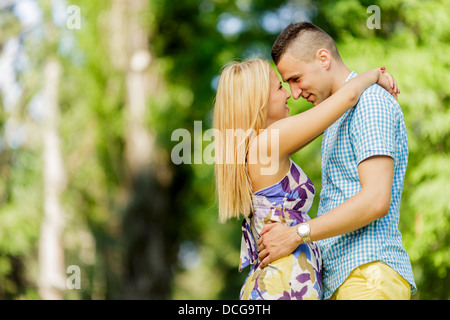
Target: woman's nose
288, 95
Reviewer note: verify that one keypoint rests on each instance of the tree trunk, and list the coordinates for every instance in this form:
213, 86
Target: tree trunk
146, 271
51, 252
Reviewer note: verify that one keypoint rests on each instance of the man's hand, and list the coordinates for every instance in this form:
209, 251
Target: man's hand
277, 241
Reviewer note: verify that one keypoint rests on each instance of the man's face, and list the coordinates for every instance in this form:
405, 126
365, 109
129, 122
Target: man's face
308, 80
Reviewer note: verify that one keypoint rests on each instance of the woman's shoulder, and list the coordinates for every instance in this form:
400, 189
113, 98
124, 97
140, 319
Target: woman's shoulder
265, 170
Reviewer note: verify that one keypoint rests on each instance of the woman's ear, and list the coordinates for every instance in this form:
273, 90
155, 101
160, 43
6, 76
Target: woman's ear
324, 57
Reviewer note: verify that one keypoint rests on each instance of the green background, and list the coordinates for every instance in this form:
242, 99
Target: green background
153, 233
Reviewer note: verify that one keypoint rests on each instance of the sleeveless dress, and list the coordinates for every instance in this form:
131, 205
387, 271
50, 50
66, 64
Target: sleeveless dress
298, 275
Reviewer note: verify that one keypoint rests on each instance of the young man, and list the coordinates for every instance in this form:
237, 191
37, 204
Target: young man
364, 158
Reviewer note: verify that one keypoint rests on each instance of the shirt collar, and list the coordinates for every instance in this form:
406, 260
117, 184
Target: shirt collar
351, 75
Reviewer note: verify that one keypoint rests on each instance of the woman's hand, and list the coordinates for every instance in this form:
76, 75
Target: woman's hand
387, 81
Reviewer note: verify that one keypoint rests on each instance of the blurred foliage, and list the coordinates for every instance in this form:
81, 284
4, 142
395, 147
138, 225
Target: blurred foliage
190, 41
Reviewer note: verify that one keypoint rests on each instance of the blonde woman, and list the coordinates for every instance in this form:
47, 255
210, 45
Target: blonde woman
255, 176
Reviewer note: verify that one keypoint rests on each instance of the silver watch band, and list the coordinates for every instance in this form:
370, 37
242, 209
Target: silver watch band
303, 230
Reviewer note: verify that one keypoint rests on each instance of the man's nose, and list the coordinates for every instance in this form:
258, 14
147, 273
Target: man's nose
296, 92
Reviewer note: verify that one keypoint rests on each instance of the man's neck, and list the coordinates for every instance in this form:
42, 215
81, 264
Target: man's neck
340, 75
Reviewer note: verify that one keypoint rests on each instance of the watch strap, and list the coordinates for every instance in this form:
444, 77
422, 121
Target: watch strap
304, 235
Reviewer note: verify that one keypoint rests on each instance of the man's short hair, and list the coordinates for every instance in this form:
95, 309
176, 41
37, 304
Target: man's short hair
305, 39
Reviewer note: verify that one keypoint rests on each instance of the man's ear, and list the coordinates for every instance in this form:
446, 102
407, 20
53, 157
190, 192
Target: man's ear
324, 58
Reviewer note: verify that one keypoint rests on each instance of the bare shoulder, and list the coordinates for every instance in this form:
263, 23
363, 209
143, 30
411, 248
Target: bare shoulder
265, 168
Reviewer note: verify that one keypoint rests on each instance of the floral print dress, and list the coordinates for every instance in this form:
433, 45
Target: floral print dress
298, 275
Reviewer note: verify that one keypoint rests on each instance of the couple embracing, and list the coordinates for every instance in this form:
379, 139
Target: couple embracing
353, 249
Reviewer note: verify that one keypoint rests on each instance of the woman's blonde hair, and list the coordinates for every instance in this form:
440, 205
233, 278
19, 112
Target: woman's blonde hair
240, 111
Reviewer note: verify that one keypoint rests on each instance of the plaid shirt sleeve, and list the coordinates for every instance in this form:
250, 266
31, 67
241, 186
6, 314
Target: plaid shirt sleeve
373, 129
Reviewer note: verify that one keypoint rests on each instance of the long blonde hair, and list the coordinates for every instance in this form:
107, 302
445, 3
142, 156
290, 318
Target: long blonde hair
240, 111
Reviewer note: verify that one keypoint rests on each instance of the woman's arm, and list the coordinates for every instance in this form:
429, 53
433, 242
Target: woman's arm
297, 131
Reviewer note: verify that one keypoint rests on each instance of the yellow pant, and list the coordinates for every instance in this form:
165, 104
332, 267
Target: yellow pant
373, 281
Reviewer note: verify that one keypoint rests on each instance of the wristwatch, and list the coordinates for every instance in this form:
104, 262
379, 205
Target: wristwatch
303, 231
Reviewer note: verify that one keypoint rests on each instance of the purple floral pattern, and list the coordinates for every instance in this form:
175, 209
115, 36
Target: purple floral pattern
297, 276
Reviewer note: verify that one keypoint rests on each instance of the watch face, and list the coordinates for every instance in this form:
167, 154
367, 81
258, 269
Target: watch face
303, 229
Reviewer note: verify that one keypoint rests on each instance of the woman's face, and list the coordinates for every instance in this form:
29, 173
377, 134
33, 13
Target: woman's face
277, 106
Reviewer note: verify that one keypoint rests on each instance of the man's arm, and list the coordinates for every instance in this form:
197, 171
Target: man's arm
372, 202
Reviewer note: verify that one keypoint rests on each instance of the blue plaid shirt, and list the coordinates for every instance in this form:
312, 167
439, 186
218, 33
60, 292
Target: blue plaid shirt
375, 126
